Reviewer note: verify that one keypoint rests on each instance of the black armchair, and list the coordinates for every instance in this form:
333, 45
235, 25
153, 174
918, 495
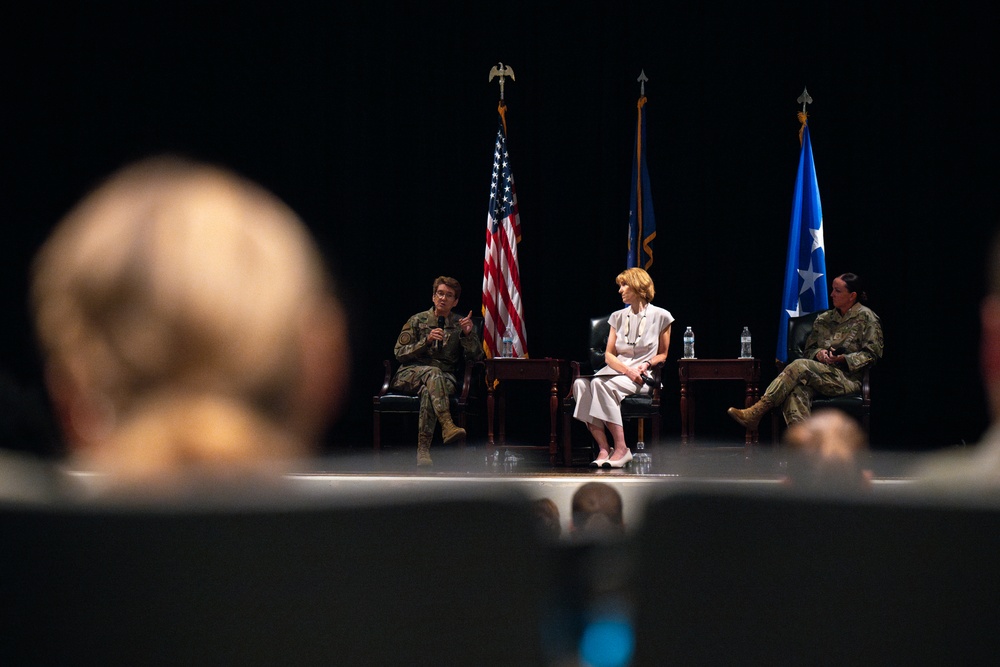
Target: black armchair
640, 407
858, 405
387, 401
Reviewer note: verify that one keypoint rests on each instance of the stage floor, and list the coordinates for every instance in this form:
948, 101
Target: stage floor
530, 472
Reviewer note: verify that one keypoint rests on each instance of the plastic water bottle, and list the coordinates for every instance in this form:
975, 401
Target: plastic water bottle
689, 343
507, 349
745, 351
642, 457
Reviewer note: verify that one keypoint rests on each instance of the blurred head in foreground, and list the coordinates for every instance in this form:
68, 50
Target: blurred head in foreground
546, 515
597, 512
187, 324
827, 448
977, 468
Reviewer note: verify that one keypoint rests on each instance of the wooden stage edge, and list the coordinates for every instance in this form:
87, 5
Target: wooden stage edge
478, 469
456, 470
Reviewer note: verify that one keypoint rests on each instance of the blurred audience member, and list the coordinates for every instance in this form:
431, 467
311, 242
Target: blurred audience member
826, 450
188, 325
547, 519
978, 466
597, 512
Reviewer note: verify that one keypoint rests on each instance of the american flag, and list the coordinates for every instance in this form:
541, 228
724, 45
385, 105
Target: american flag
502, 314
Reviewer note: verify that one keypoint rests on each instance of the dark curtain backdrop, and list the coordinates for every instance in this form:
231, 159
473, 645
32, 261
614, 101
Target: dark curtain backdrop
376, 122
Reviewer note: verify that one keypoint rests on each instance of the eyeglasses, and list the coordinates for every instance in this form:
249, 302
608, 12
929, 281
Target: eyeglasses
444, 295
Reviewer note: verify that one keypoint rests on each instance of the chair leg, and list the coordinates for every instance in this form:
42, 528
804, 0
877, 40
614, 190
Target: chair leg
377, 440
461, 424
567, 438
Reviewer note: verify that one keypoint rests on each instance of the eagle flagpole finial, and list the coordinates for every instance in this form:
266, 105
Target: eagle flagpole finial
502, 72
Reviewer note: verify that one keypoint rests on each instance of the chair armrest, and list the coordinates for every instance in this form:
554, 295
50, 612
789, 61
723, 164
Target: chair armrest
866, 390
657, 375
574, 375
387, 379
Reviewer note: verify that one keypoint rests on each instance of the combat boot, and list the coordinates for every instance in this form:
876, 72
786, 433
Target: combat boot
750, 417
450, 432
424, 449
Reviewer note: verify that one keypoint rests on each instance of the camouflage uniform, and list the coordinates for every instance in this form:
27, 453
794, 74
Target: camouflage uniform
427, 371
857, 334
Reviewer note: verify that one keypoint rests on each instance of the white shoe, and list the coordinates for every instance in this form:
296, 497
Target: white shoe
620, 463
598, 462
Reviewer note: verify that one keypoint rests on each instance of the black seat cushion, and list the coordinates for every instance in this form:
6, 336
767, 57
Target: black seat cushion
405, 403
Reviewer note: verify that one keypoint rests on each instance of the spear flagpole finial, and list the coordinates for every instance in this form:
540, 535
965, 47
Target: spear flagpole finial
804, 99
502, 72
642, 82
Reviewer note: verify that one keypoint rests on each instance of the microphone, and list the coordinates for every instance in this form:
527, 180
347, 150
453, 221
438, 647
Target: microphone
440, 326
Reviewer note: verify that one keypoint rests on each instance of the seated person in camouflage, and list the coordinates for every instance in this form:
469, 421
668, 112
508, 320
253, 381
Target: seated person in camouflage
843, 341
430, 348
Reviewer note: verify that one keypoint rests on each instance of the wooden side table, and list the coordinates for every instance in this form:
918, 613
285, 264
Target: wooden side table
692, 370
508, 369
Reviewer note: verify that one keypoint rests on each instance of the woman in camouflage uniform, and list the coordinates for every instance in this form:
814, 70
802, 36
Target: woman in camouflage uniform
844, 340
430, 348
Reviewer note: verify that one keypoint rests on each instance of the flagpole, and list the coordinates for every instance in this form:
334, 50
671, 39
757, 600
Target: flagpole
638, 165
642, 221
805, 265
499, 70
503, 316
639, 237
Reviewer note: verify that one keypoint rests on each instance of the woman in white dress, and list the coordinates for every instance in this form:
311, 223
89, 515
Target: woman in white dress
639, 340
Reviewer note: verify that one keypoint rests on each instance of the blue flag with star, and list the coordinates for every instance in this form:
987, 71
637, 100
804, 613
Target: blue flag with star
805, 267
641, 221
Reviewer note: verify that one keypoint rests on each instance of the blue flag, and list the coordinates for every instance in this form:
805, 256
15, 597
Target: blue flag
641, 221
805, 268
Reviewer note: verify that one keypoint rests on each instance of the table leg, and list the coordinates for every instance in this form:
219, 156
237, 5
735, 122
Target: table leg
553, 409
691, 411
684, 412
502, 416
489, 414
753, 437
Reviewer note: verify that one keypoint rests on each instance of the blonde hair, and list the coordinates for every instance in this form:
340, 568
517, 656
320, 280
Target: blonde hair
639, 281
179, 293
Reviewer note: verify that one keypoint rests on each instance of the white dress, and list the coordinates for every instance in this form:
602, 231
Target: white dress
598, 399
